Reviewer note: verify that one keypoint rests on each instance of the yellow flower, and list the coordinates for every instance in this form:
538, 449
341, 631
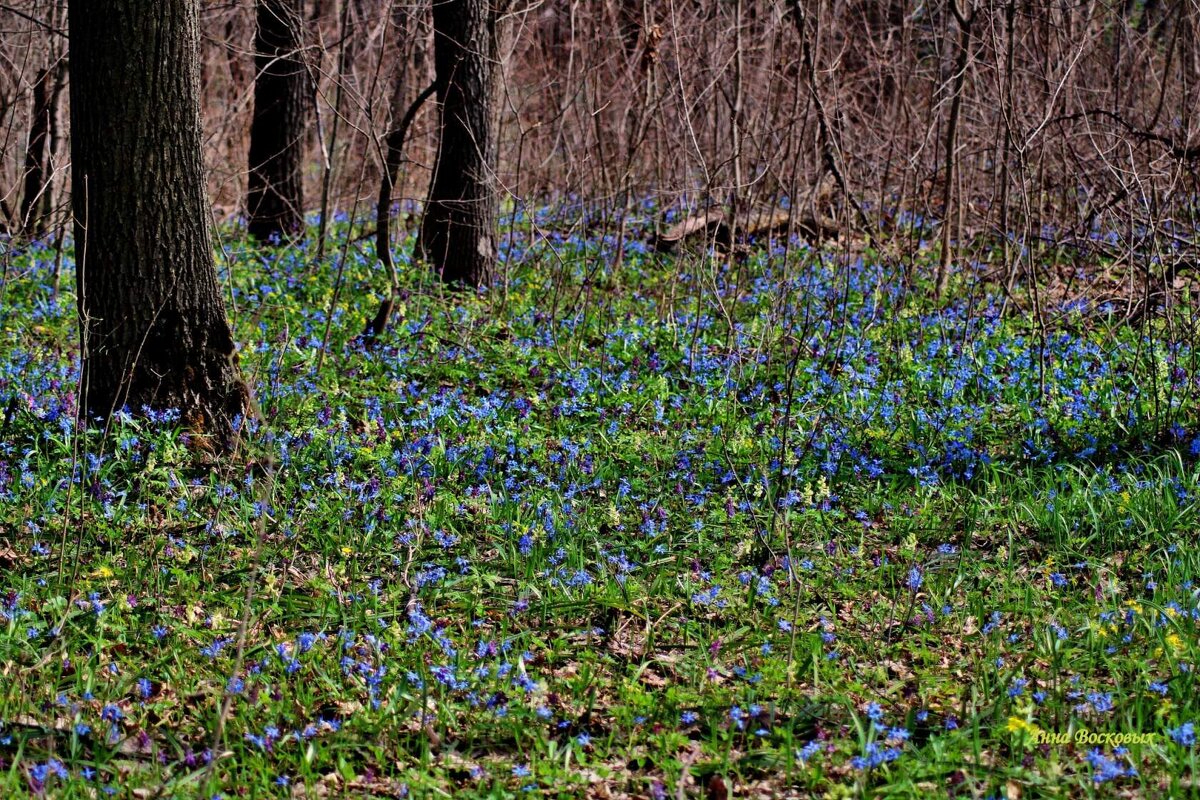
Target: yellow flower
347, 551
1175, 642
1018, 725
102, 572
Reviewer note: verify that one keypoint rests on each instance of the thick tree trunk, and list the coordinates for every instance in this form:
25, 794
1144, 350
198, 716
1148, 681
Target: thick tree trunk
275, 201
155, 330
458, 231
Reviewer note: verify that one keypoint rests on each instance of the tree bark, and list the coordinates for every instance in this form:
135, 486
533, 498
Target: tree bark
36, 192
155, 332
965, 22
458, 231
275, 201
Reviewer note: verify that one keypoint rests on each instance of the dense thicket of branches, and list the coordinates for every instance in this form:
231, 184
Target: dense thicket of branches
994, 115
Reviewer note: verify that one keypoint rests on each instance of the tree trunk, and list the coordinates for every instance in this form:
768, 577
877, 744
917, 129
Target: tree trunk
949, 212
155, 332
275, 201
458, 230
35, 190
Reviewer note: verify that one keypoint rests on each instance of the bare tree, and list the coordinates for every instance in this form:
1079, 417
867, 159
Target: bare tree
458, 231
409, 71
154, 325
275, 201
971, 121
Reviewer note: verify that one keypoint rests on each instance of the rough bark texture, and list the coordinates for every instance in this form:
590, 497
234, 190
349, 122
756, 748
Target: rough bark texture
155, 330
275, 201
458, 231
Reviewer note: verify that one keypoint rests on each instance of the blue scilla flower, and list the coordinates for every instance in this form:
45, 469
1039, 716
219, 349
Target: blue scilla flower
915, 579
1185, 734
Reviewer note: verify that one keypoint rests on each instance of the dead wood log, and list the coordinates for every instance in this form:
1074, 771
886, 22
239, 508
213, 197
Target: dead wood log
711, 224
814, 218
756, 226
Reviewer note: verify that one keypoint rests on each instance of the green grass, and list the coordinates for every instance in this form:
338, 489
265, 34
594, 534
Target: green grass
562, 540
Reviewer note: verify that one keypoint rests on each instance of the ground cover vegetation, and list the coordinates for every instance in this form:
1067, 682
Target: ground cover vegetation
623, 399
778, 523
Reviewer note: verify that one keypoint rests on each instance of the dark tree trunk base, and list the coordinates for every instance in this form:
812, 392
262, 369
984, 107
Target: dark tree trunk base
153, 317
458, 231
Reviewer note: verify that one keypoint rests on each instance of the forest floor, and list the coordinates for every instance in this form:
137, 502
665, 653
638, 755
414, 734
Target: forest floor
681, 528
